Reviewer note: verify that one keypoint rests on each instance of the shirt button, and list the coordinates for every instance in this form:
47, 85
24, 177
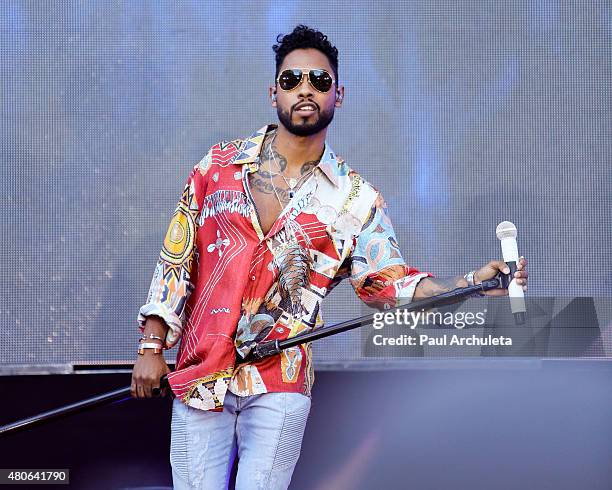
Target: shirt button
252, 278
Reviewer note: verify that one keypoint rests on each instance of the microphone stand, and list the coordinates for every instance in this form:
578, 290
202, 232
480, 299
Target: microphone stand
261, 351
274, 347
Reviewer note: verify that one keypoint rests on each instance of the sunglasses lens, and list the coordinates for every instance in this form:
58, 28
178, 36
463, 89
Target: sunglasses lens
321, 80
289, 79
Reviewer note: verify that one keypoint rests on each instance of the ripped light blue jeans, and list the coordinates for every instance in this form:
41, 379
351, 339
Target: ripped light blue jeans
266, 430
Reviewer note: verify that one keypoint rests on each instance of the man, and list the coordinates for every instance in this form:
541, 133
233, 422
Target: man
265, 228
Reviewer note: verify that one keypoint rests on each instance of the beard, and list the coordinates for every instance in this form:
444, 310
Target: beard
305, 128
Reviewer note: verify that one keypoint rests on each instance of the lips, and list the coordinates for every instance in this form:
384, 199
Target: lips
305, 108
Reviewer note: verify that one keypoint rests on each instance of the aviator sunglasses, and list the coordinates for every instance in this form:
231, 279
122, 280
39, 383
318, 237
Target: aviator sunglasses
291, 78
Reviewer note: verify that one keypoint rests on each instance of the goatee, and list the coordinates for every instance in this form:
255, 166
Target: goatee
305, 128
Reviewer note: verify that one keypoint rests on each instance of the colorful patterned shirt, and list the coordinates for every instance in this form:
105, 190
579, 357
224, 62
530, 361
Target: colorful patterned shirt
222, 286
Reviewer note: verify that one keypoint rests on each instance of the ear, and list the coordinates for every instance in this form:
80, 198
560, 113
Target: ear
339, 96
272, 95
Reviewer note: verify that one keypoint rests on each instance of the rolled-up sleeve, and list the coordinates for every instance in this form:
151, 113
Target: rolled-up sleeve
171, 285
378, 273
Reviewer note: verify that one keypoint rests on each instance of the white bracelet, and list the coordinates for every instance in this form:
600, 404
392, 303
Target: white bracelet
157, 348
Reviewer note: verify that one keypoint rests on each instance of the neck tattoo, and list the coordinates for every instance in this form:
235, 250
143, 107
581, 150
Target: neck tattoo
292, 182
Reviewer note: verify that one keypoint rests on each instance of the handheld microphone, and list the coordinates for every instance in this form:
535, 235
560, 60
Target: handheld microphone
506, 232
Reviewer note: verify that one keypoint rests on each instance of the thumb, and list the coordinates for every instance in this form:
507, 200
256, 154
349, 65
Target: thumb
499, 265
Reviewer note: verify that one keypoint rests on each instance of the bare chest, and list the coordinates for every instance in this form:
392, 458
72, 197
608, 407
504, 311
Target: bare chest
266, 195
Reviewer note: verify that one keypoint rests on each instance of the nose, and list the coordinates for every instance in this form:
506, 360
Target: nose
305, 89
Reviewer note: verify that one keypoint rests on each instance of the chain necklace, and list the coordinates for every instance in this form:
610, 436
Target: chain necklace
292, 182
274, 189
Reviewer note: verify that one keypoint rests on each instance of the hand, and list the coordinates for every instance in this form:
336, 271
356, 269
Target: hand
148, 370
494, 267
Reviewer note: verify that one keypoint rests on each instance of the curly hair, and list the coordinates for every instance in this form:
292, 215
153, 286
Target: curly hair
303, 37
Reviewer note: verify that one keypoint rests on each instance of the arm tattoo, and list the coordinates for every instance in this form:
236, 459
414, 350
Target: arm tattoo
431, 286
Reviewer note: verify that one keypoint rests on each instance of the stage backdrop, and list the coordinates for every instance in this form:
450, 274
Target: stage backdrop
463, 114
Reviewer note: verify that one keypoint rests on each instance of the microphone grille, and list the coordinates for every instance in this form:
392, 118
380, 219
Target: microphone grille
505, 229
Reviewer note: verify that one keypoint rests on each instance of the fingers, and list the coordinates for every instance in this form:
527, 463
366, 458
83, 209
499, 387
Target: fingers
147, 375
494, 267
148, 389
144, 389
141, 388
134, 387
500, 265
521, 275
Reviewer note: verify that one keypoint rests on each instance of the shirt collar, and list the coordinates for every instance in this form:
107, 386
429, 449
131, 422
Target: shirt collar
250, 147
331, 164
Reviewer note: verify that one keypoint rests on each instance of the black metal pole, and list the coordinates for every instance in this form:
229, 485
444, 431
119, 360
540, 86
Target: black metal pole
274, 347
119, 395
265, 349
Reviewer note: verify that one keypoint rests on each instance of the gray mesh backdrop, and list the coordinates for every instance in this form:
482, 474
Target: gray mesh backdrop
464, 114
